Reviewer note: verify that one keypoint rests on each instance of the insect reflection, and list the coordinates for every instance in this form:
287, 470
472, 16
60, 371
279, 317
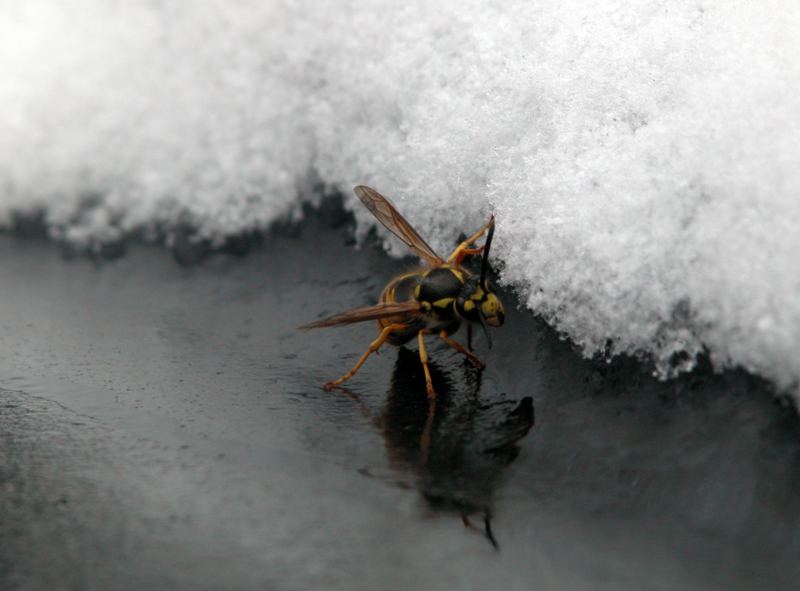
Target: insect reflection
455, 446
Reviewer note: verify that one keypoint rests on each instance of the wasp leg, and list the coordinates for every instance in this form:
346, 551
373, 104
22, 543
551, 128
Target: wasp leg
463, 249
423, 357
374, 346
462, 349
465, 253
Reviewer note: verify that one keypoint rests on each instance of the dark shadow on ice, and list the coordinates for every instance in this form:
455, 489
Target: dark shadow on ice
456, 447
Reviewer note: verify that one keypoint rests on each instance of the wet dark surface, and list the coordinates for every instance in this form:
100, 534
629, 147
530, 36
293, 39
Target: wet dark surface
162, 426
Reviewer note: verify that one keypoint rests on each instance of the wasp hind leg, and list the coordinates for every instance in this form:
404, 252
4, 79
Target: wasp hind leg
423, 357
373, 347
462, 349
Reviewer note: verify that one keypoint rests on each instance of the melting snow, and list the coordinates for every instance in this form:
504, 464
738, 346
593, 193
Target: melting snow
641, 156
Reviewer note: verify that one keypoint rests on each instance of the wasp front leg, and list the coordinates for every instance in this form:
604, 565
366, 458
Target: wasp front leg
462, 349
463, 249
373, 347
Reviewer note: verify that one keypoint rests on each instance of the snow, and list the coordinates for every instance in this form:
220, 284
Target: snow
641, 156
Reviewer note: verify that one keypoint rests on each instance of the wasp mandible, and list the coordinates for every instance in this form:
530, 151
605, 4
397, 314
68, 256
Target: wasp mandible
432, 300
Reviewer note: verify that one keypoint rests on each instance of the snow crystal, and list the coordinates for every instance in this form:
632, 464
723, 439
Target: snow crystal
641, 156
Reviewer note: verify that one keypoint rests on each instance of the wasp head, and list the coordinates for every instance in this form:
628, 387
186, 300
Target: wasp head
477, 301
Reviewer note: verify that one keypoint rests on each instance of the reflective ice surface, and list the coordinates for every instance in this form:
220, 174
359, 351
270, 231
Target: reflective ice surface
164, 426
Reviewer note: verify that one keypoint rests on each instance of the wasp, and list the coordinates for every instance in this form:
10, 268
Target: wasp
436, 299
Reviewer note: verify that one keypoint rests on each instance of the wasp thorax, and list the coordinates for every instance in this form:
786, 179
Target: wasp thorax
438, 289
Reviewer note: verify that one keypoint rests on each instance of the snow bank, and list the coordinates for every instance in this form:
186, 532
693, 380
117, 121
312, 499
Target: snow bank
641, 156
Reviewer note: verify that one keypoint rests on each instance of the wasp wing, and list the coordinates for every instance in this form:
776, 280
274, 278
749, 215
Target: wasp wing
376, 312
382, 209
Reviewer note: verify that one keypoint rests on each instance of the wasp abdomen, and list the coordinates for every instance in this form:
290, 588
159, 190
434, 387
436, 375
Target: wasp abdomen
402, 289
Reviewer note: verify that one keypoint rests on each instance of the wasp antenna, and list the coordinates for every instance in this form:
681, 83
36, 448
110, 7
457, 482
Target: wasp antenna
487, 245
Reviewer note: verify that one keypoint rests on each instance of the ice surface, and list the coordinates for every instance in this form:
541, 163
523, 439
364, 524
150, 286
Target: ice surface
641, 157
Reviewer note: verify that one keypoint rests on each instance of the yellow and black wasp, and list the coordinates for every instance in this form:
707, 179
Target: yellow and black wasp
432, 300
